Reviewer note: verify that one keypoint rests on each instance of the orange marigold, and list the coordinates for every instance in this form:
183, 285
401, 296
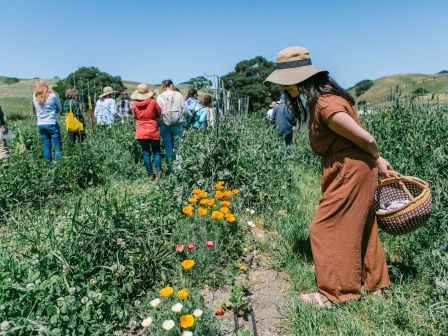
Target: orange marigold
202, 211
187, 210
193, 200
182, 294
167, 291
225, 204
217, 215
203, 201
220, 185
226, 194
224, 210
211, 202
203, 194
230, 218
235, 191
197, 192
219, 194
186, 321
187, 264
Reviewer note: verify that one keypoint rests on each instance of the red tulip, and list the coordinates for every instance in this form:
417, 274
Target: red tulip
209, 244
220, 312
179, 248
190, 247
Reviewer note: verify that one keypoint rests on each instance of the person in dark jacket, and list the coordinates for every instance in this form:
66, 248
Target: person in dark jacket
284, 121
3, 130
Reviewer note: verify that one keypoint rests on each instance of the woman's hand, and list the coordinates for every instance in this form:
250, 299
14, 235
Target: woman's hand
383, 167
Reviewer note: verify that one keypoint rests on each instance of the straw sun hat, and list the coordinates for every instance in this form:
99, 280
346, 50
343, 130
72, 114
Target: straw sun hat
107, 91
142, 93
293, 66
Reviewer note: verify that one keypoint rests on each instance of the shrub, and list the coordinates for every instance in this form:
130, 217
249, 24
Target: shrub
11, 80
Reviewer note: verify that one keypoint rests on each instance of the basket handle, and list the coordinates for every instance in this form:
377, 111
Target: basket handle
399, 179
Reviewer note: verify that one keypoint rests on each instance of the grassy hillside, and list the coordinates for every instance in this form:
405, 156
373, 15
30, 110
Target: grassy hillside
408, 84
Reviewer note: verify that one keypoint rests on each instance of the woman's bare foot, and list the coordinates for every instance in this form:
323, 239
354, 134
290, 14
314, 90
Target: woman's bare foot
317, 299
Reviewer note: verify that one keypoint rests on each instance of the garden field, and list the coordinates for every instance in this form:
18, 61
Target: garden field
89, 246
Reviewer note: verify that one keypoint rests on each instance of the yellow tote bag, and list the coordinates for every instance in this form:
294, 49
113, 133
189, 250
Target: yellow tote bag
72, 123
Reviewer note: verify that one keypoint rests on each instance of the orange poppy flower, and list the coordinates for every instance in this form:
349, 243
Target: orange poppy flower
193, 200
226, 194
186, 321
167, 291
225, 204
235, 191
203, 194
220, 185
203, 201
224, 210
230, 218
182, 294
211, 202
217, 215
197, 192
187, 210
202, 211
219, 194
187, 264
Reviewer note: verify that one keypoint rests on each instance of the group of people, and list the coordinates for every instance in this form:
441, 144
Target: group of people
158, 117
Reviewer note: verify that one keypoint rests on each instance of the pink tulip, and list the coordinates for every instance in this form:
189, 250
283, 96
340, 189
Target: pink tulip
179, 248
190, 247
209, 244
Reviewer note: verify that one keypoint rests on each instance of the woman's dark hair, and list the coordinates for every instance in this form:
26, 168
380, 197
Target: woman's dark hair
314, 87
192, 93
167, 83
207, 101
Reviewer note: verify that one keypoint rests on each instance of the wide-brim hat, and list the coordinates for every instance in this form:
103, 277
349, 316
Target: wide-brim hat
142, 93
273, 104
107, 91
293, 66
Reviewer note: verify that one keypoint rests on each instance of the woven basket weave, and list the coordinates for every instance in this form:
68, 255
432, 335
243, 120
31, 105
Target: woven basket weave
410, 216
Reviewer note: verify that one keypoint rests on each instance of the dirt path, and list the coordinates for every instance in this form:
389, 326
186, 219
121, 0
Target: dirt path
268, 292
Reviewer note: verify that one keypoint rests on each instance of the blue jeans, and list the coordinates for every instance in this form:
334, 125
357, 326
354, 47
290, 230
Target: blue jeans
149, 146
51, 136
170, 136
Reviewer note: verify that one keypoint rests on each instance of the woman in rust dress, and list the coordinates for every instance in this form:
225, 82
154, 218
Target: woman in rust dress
347, 253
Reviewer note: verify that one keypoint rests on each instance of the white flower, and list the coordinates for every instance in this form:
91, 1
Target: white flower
91, 294
92, 282
60, 301
154, 303
5, 326
177, 307
137, 303
197, 313
147, 322
187, 333
84, 299
72, 290
247, 210
168, 324
250, 223
30, 287
252, 211
121, 242
99, 295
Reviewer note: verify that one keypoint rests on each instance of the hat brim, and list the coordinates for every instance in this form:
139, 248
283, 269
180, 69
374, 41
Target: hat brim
141, 96
293, 76
106, 94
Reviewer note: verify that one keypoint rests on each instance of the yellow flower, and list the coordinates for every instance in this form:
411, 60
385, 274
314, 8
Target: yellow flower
225, 204
203, 194
211, 202
218, 194
220, 185
224, 210
187, 264
230, 218
235, 191
202, 211
243, 268
167, 291
182, 294
217, 215
186, 321
203, 201
226, 194
193, 200
188, 210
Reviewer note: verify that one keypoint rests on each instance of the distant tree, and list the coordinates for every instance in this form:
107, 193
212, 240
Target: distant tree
89, 80
362, 86
248, 78
11, 80
443, 72
199, 82
420, 91
56, 78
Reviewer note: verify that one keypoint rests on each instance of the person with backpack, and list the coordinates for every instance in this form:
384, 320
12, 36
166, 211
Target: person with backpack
283, 119
71, 104
3, 131
197, 112
146, 112
173, 118
46, 103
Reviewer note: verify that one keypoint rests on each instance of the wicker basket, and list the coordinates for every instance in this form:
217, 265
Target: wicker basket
410, 216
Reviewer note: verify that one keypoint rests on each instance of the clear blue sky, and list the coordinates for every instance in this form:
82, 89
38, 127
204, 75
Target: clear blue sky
152, 40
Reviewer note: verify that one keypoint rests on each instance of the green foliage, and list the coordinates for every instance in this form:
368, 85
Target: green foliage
420, 91
11, 80
199, 82
248, 77
89, 79
362, 86
443, 72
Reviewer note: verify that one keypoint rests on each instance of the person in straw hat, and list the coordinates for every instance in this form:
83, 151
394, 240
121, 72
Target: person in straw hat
347, 252
105, 108
146, 112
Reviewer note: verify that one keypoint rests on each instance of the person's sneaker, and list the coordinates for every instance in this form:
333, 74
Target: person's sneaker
152, 177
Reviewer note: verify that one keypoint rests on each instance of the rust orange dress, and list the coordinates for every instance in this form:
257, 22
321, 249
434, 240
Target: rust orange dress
344, 236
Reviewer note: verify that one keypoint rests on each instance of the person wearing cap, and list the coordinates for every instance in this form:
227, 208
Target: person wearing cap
70, 102
271, 110
3, 131
105, 108
47, 104
146, 112
347, 252
284, 121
